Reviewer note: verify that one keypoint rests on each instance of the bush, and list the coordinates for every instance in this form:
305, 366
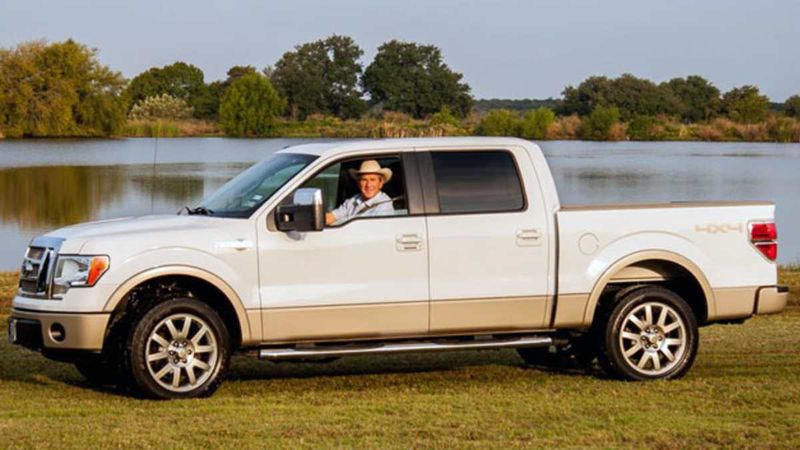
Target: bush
645, 128
499, 122
780, 129
250, 107
162, 106
536, 123
598, 125
444, 118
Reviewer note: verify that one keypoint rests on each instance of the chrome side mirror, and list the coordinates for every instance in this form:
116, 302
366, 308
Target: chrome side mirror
306, 212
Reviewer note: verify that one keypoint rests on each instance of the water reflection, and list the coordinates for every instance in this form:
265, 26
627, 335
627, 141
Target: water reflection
38, 197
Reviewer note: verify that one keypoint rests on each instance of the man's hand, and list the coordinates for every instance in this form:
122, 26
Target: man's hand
329, 218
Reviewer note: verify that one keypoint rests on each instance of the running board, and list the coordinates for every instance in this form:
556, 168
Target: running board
278, 354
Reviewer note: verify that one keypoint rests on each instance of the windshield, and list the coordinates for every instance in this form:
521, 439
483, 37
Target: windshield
242, 195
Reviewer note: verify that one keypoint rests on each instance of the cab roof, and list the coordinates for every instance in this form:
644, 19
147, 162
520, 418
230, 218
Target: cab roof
336, 147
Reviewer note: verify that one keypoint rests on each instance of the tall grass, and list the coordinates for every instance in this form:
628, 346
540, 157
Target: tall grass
170, 128
539, 124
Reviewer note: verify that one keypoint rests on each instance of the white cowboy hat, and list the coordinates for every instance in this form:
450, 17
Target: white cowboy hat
372, 166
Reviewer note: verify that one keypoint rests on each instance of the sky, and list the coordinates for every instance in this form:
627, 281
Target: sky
504, 48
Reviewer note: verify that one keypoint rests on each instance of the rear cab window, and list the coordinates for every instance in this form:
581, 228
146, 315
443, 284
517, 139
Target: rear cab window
485, 181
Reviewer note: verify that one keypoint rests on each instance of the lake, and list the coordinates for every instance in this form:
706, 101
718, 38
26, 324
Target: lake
45, 184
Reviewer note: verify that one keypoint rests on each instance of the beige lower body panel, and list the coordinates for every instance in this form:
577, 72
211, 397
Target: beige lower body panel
338, 322
489, 314
771, 301
571, 311
734, 303
82, 331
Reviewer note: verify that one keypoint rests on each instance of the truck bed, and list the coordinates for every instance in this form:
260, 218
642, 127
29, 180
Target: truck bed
713, 236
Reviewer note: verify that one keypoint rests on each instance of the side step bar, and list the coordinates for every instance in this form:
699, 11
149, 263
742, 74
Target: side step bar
278, 354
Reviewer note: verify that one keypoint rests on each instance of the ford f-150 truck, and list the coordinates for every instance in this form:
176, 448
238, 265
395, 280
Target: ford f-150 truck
475, 252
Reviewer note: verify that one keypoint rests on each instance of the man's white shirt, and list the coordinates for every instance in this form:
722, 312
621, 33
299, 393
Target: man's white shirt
379, 205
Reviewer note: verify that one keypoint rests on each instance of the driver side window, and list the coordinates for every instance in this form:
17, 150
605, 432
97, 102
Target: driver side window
363, 187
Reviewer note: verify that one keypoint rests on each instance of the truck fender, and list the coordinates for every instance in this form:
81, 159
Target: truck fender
191, 271
647, 255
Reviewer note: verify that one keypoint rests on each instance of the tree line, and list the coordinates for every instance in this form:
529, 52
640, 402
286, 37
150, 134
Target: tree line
60, 89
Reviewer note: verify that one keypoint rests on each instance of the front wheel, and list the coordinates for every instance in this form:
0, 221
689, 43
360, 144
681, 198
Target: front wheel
179, 349
649, 333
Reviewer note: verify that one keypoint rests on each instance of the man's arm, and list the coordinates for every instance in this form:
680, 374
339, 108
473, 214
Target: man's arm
339, 213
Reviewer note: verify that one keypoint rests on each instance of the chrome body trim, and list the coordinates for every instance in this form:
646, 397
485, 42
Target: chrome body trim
277, 354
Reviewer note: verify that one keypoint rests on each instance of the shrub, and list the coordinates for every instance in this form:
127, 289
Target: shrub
598, 125
499, 122
162, 106
536, 123
646, 128
781, 129
444, 118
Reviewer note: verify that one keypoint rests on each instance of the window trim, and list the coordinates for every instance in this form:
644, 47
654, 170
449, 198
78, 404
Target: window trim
410, 174
431, 183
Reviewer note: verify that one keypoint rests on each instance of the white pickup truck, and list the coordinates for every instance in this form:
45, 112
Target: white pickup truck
476, 252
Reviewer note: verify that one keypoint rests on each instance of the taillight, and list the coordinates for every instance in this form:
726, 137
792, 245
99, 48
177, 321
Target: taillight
764, 236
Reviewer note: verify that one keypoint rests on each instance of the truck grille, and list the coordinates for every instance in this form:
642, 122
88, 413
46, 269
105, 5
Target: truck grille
34, 276
38, 266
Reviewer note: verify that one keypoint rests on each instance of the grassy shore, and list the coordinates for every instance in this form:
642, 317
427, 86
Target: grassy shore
742, 392
396, 125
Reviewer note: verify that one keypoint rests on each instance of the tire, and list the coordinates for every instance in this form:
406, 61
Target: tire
178, 349
648, 333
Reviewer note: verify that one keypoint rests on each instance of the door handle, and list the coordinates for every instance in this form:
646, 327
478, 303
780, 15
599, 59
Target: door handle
408, 242
529, 237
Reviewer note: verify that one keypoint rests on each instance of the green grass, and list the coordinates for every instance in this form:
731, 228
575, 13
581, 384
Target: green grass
742, 392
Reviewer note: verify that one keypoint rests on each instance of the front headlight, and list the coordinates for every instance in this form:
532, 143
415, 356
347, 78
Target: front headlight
78, 271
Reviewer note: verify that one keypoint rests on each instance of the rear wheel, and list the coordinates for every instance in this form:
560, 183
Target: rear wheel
649, 333
179, 349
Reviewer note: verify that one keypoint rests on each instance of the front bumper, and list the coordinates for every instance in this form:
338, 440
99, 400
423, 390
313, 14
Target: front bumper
771, 300
45, 330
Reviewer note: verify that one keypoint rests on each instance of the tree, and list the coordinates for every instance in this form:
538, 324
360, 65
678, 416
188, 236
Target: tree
591, 93
58, 89
206, 104
745, 104
250, 106
321, 77
698, 97
632, 96
413, 79
179, 80
792, 106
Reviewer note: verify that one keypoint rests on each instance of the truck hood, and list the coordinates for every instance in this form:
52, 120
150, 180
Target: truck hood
131, 226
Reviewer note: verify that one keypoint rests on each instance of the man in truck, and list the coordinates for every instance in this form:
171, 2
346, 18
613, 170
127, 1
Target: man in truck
371, 200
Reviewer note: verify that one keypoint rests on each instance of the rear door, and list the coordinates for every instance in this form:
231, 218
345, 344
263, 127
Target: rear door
487, 235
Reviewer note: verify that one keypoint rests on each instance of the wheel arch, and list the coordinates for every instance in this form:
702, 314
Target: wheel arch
655, 267
223, 297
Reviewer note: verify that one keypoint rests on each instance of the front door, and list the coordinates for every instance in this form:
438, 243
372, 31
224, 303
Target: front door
365, 277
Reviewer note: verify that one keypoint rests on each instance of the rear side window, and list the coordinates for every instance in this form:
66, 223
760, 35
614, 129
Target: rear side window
482, 181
